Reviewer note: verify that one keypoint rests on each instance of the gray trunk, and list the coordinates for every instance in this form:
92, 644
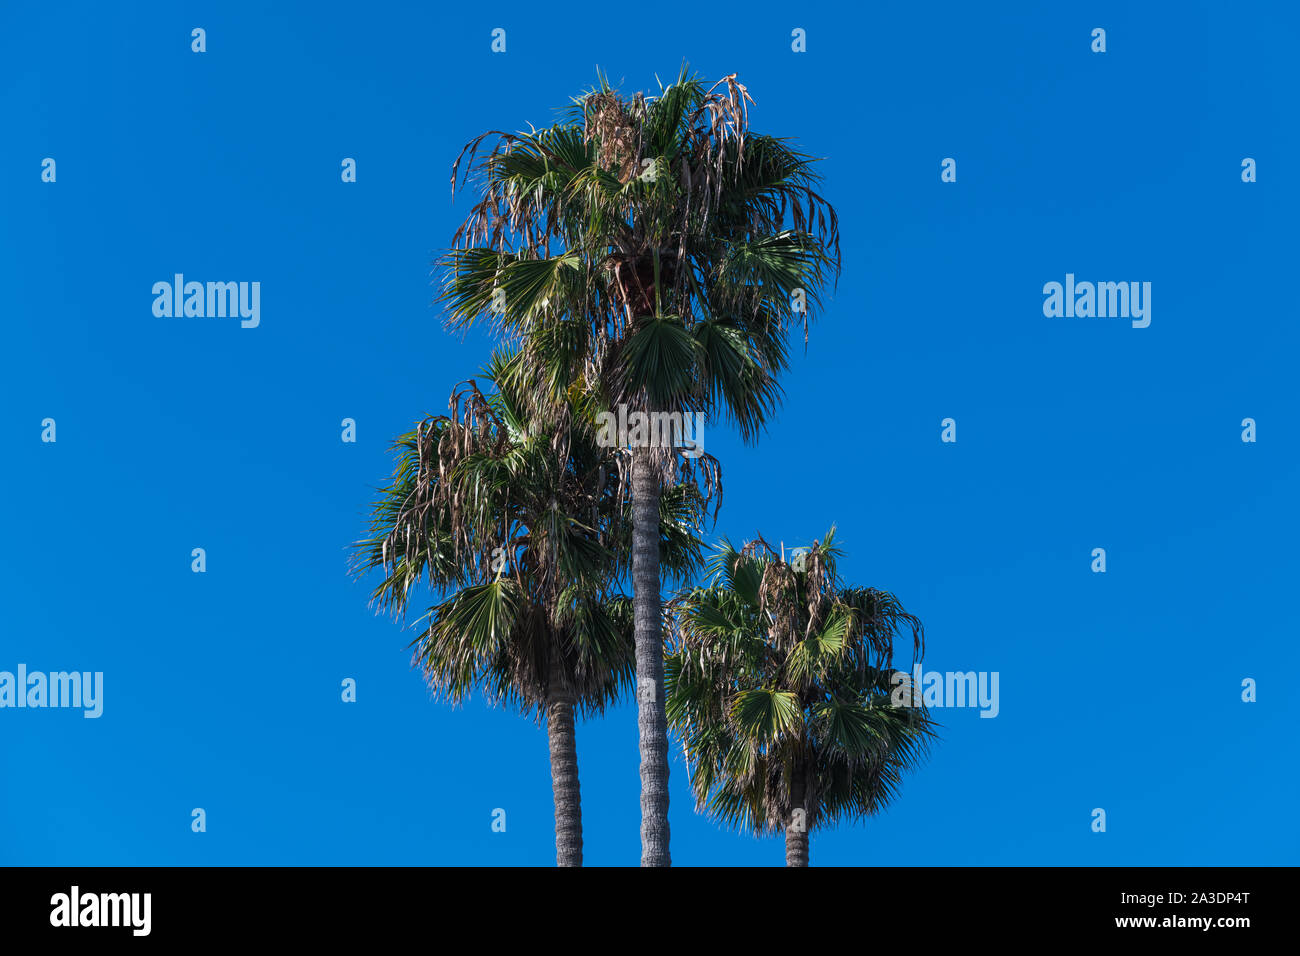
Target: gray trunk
652, 724
564, 779
796, 830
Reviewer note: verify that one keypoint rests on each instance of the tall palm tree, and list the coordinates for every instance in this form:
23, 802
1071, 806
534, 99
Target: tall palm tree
779, 681
517, 524
658, 251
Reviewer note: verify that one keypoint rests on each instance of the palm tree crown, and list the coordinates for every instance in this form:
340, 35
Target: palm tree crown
779, 681
519, 540
657, 246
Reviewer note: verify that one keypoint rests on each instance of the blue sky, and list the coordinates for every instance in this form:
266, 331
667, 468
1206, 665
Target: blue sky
222, 690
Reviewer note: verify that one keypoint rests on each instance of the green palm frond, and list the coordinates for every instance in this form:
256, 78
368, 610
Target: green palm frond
765, 714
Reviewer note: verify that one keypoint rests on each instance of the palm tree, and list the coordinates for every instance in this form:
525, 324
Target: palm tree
517, 524
659, 252
779, 681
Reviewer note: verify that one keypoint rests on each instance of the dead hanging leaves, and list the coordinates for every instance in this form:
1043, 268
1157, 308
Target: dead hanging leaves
615, 127
780, 587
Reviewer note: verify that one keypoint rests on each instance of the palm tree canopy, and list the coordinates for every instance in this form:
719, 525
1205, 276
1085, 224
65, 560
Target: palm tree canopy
655, 247
779, 680
518, 525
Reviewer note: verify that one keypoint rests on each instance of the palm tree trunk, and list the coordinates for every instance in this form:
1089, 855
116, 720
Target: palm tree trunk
564, 779
796, 828
652, 724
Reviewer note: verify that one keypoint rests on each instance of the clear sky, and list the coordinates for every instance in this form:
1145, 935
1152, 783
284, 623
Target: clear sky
1118, 690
